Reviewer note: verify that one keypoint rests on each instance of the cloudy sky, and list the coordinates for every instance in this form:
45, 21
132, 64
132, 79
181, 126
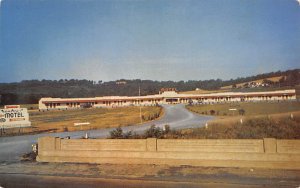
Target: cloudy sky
153, 39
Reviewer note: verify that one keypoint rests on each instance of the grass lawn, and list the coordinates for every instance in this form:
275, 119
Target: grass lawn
59, 121
258, 108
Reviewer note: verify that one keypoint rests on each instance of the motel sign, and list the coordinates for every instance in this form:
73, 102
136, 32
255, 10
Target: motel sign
14, 117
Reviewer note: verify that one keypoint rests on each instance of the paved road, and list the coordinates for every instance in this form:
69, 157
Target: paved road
11, 148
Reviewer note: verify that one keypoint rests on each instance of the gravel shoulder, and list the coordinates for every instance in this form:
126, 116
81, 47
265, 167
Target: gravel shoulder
34, 174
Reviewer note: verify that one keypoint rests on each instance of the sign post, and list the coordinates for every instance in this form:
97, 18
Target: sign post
14, 118
232, 109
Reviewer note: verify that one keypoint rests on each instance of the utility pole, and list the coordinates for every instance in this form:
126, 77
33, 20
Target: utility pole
140, 106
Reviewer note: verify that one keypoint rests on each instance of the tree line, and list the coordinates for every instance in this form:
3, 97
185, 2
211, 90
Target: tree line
30, 91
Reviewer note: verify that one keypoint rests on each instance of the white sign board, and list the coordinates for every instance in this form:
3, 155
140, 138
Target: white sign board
11, 106
78, 124
14, 117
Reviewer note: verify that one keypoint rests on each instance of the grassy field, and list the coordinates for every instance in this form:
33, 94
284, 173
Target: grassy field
280, 126
261, 120
59, 121
250, 109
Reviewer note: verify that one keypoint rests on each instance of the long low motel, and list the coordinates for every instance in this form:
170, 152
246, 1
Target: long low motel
166, 96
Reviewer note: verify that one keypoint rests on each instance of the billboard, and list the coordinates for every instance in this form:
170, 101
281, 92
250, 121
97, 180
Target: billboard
11, 106
14, 117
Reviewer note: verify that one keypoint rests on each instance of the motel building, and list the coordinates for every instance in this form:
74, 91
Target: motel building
165, 96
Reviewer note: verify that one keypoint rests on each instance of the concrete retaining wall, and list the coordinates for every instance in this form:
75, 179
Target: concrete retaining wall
254, 153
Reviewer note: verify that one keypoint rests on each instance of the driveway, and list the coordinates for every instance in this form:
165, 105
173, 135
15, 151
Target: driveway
176, 116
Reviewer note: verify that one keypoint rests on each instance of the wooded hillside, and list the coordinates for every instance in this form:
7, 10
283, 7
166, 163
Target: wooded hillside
30, 91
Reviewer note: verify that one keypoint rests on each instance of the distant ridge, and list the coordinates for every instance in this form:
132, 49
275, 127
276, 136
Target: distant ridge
30, 91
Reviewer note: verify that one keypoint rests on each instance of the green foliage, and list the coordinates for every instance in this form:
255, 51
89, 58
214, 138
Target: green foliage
116, 133
154, 132
128, 135
30, 91
284, 128
242, 112
167, 129
257, 128
267, 128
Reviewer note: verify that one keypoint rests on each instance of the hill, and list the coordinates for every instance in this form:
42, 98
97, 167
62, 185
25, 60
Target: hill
258, 82
30, 91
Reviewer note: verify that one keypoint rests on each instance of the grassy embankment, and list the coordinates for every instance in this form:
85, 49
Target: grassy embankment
59, 121
260, 120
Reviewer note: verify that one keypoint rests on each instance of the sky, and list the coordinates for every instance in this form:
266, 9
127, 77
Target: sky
154, 39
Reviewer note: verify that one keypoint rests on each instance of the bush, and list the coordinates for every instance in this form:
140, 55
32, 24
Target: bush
212, 112
116, 133
255, 128
128, 135
242, 112
153, 132
167, 129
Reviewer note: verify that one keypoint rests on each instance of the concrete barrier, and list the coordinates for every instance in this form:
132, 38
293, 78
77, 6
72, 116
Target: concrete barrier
254, 153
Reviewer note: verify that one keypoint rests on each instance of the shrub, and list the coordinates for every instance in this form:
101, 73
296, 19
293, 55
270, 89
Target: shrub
167, 129
116, 133
153, 132
212, 112
242, 112
128, 135
135, 136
